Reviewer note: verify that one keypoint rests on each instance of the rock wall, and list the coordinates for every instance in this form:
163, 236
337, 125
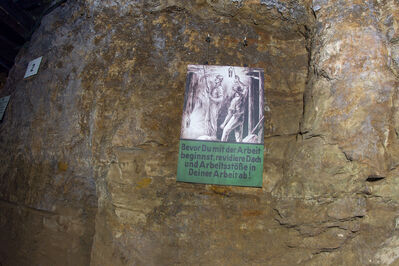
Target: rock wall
90, 144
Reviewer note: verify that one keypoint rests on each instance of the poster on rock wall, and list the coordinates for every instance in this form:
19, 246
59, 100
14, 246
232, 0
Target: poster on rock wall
221, 138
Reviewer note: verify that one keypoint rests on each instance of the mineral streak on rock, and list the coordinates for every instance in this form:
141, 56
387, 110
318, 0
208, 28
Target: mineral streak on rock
90, 144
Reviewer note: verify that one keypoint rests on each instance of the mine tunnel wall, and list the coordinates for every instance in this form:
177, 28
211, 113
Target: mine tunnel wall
90, 144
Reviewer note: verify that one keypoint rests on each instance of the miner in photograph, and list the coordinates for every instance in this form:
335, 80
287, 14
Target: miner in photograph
215, 96
235, 116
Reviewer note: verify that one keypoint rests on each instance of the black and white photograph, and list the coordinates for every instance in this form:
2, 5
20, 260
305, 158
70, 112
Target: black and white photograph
224, 104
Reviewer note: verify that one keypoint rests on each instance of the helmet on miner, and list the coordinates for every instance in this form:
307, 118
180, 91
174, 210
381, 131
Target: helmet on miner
219, 78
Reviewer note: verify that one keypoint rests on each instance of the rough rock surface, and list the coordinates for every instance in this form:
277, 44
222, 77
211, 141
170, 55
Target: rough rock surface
90, 144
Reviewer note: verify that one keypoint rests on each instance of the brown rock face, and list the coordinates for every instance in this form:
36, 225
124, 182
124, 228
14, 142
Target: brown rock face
90, 144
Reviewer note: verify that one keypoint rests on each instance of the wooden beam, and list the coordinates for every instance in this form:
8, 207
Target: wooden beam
15, 18
3, 69
27, 4
5, 64
9, 45
10, 34
7, 56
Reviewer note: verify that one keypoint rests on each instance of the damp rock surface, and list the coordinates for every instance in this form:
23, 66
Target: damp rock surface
90, 144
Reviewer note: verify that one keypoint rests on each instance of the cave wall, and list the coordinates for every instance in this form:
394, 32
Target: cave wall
90, 144
47, 187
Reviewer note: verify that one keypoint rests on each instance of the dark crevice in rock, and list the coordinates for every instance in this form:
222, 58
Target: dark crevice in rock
27, 208
322, 73
348, 156
169, 9
313, 136
374, 178
283, 135
365, 191
126, 149
306, 95
350, 219
326, 250
152, 142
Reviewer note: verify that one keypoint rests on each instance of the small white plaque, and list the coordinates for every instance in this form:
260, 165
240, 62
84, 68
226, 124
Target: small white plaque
3, 105
33, 67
